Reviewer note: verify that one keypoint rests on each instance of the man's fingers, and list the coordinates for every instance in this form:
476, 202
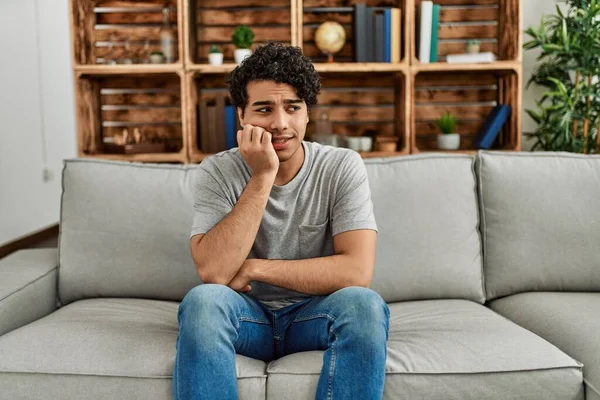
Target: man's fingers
239, 138
246, 288
257, 134
266, 137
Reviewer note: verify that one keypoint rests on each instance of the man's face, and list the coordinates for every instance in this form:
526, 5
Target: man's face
277, 108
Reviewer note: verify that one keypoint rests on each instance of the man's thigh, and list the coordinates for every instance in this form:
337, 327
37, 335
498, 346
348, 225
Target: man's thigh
255, 333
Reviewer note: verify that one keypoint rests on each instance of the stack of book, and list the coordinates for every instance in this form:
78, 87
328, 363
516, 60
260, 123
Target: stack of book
377, 34
428, 29
218, 125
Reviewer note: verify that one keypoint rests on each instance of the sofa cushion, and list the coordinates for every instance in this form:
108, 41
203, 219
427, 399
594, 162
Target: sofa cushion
568, 320
540, 221
449, 349
428, 245
124, 230
122, 348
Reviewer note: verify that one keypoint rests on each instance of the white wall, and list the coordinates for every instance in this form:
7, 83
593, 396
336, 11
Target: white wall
37, 118
532, 14
37, 127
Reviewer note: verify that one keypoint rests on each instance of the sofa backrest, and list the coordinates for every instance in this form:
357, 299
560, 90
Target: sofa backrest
428, 245
124, 230
540, 221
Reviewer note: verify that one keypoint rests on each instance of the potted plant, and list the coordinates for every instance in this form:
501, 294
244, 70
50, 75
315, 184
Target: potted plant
473, 46
215, 57
157, 57
242, 38
448, 139
567, 114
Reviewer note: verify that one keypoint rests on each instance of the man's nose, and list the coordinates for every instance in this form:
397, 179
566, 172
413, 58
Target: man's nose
279, 121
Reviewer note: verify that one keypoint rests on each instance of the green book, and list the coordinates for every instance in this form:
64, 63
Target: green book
435, 27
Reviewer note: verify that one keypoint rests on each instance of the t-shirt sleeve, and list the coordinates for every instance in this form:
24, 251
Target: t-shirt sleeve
352, 208
211, 204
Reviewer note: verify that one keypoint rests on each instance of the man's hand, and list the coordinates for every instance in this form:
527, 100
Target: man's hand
256, 148
241, 280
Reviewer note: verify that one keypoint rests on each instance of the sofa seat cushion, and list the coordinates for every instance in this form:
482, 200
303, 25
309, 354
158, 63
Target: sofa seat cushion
115, 348
568, 320
449, 349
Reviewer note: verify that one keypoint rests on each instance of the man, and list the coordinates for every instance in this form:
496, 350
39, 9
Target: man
284, 240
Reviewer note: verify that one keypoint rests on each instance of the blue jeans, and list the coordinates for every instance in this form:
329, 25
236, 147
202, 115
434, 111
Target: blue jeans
216, 322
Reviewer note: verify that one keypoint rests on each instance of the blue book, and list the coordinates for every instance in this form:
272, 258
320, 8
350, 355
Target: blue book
435, 27
491, 127
387, 35
230, 127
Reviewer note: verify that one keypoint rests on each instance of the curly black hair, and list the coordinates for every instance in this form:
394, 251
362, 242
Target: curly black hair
276, 62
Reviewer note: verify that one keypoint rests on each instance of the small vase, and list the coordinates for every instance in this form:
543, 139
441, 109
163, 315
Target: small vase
240, 54
473, 48
215, 58
448, 141
156, 59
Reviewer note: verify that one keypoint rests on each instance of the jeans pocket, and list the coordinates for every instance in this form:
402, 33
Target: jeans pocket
315, 240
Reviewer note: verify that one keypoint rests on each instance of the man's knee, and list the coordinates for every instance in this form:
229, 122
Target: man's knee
207, 297
364, 307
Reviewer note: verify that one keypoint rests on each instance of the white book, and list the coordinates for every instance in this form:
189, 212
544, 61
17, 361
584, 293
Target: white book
468, 58
425, 31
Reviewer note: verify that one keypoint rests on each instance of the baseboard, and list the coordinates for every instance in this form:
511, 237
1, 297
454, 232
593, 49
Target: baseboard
29, 240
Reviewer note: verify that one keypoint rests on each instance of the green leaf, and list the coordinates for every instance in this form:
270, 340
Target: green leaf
534, 116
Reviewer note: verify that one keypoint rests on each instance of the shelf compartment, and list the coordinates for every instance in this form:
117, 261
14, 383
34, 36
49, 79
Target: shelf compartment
214, 21
152, 104
355, 104
312, 13
470, 97
496, 23
109, 30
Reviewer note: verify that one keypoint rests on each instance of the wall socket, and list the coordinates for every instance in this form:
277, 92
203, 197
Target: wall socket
47, 174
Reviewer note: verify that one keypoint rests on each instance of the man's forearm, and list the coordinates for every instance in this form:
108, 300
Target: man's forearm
316, 276
225, 247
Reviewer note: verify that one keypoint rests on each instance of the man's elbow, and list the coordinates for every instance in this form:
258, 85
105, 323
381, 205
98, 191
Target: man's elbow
208, 276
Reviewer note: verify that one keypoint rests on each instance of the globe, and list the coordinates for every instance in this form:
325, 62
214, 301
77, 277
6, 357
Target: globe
330, 37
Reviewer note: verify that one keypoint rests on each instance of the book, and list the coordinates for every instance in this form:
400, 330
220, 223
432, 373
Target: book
360, 34
435, 27
379, 32
396, 35
491, 127
387, 35
369, 35
486, 57
230, 127
425, 31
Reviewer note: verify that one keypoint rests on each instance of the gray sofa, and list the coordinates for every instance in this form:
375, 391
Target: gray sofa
490, 265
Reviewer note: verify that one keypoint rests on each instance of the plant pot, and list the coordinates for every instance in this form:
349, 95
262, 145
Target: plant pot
156, 59
215, 58
240, 54
473, 48
448, 141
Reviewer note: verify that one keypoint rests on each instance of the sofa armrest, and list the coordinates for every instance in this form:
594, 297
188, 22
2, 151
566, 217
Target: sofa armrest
28, 287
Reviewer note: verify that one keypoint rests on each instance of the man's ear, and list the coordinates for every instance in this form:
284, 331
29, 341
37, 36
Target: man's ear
240, 112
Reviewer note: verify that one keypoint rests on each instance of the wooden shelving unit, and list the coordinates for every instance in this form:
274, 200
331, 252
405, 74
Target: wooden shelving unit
401, 100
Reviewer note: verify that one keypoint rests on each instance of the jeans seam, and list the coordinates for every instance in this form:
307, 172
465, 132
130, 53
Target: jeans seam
250, 319
331, 367
314, 316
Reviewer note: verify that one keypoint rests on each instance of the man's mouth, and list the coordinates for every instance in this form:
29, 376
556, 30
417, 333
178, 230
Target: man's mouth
280, 140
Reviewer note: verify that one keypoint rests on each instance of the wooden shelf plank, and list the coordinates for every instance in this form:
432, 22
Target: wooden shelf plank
149, 157
374, 154
361, 67
445, 67
320, 67
121, 69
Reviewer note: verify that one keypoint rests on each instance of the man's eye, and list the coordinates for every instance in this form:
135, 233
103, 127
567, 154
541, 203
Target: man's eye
294, 108
264, 109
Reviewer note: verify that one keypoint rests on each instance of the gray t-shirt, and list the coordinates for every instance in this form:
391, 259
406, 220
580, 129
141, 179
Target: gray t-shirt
329, 195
